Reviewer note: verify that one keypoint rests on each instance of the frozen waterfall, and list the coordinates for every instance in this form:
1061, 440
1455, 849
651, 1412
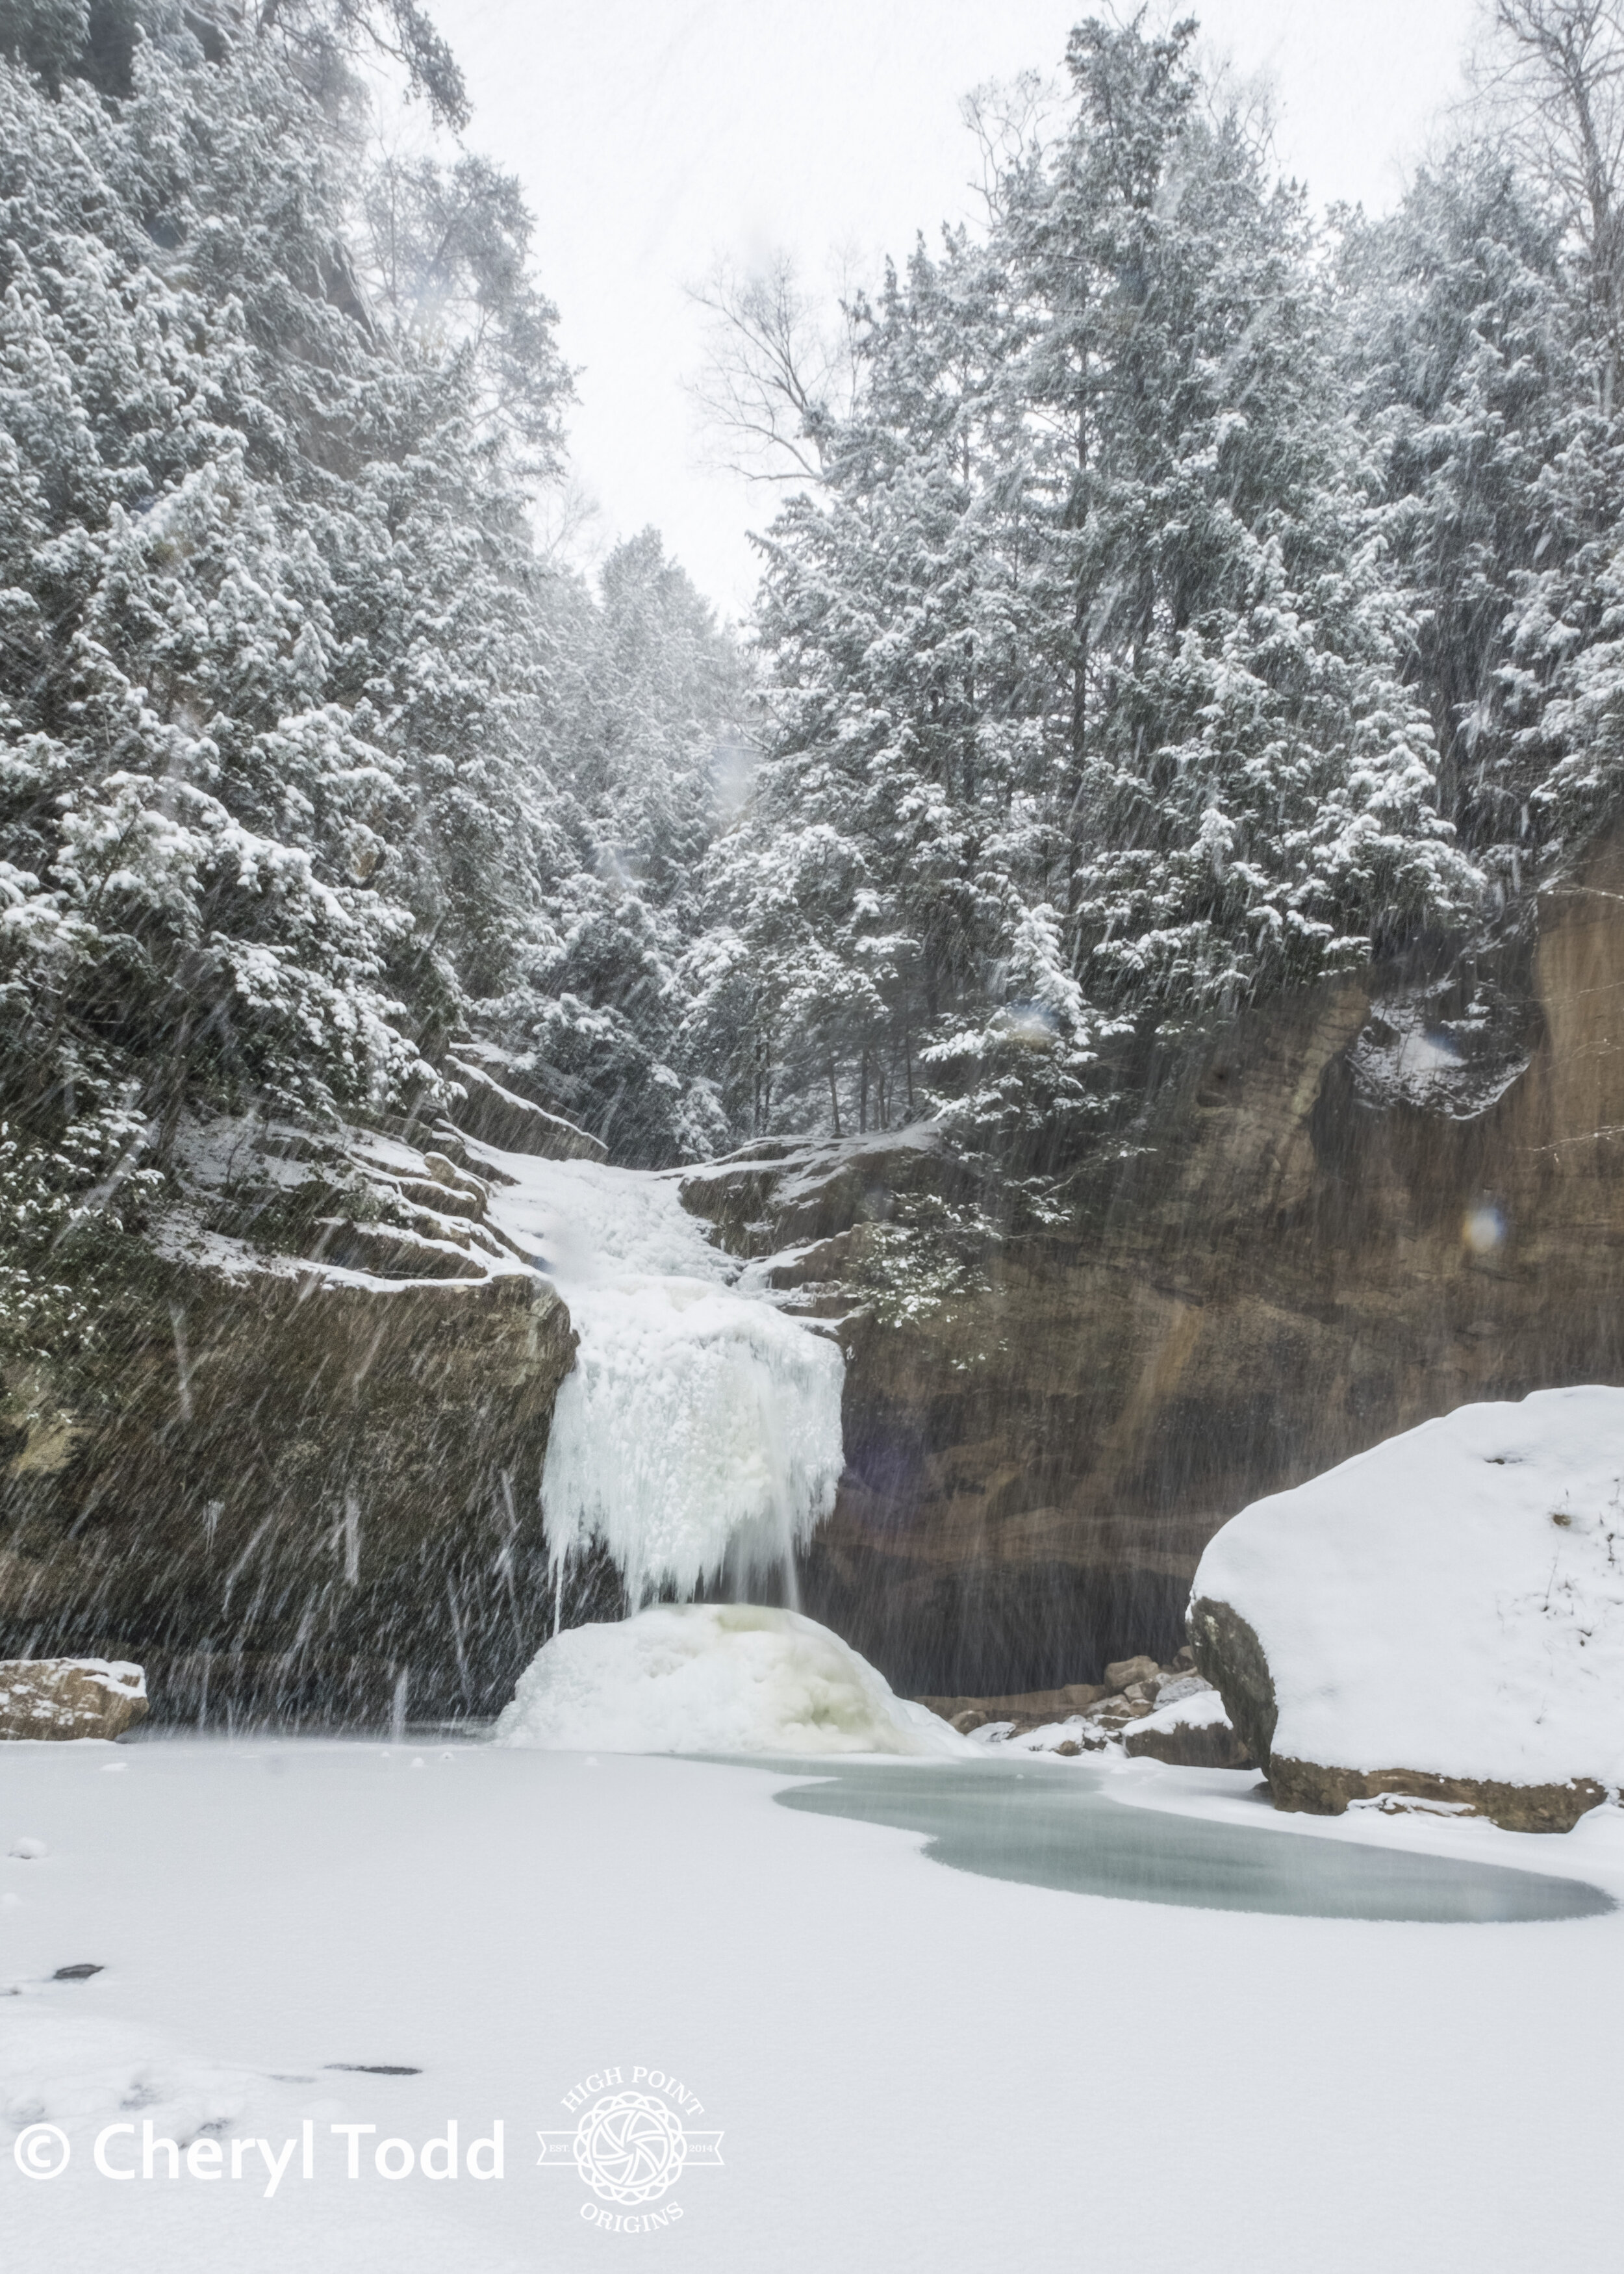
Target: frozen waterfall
698, 1435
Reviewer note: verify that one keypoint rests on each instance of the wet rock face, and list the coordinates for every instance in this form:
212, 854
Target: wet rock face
1362, 1205
293, 1485
69, 1697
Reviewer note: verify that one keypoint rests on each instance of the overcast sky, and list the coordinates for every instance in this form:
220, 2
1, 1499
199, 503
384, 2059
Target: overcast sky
654, 136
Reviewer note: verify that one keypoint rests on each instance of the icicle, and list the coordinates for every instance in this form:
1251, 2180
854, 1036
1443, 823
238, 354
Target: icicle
699, 1432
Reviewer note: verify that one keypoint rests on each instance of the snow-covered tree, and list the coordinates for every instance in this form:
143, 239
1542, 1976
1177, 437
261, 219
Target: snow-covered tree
1092, 701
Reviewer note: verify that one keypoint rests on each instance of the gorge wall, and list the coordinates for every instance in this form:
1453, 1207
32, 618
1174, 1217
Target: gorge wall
1358, 1207
299, 1468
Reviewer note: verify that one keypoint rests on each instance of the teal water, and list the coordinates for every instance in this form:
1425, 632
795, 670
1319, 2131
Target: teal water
1053, 1826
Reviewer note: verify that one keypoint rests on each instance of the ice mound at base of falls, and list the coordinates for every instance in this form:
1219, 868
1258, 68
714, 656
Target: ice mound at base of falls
714, 1678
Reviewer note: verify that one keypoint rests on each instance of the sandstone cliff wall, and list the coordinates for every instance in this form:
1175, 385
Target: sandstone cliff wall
1358, 1207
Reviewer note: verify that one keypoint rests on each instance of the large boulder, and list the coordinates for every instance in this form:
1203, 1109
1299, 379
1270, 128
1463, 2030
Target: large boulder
70, 1696
1443, 1617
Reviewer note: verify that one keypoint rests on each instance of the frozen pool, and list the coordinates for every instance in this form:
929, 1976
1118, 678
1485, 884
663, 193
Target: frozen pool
1050, 1826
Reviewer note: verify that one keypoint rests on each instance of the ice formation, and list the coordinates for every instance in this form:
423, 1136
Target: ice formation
714, 1678
699, 1432
1452, 1600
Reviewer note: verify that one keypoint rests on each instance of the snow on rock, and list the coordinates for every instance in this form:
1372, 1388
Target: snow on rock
70, 1696
1189, 1728
1443, 1615
701, 1427
714, 1678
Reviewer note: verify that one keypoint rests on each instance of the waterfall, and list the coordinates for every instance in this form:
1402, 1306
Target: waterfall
698, 1436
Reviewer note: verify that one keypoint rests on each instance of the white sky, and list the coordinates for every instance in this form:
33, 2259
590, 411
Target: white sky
654, 136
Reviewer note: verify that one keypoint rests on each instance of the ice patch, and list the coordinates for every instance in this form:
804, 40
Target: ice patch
700, 1429
714, 1678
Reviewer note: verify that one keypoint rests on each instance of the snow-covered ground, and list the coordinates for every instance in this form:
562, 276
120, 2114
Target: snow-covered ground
913, 2070
701, 1428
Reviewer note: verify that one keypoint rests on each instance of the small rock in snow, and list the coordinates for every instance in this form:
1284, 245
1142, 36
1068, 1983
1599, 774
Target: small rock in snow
82, 1972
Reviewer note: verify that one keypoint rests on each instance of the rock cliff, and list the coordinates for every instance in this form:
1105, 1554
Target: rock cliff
301, 1467
1352, 1210
295, 1469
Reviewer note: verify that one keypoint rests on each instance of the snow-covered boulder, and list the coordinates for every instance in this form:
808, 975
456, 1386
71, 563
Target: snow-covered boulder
1192, 1730
70, 1696
714, 1678
1442, 1615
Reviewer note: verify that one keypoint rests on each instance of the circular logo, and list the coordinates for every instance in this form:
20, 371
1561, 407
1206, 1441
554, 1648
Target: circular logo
629, 2147
41, 2151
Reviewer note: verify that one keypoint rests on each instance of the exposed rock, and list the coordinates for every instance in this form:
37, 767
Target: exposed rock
497, 1116
1127, 1672
1298, 1254
1172, 1692
1031, 1704
1231, 1658
1190, 1732
81, 1972
286, 1481
70, 1698
1318, 1791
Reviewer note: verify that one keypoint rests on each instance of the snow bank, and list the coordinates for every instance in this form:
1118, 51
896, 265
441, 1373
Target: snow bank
1452, 1601
714, 1678
700, 1427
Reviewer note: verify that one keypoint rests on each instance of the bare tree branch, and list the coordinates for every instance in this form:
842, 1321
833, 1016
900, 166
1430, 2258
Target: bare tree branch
782, 372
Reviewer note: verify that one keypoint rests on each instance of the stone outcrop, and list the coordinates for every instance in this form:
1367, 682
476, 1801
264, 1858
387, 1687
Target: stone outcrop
1313, 1789
1439, 1622
495, 1112
64, 1697
1358, 1206
297, 1474
1230, 1656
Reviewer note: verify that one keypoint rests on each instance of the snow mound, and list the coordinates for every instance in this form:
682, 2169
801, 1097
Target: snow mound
1451, 1602
714, 1678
